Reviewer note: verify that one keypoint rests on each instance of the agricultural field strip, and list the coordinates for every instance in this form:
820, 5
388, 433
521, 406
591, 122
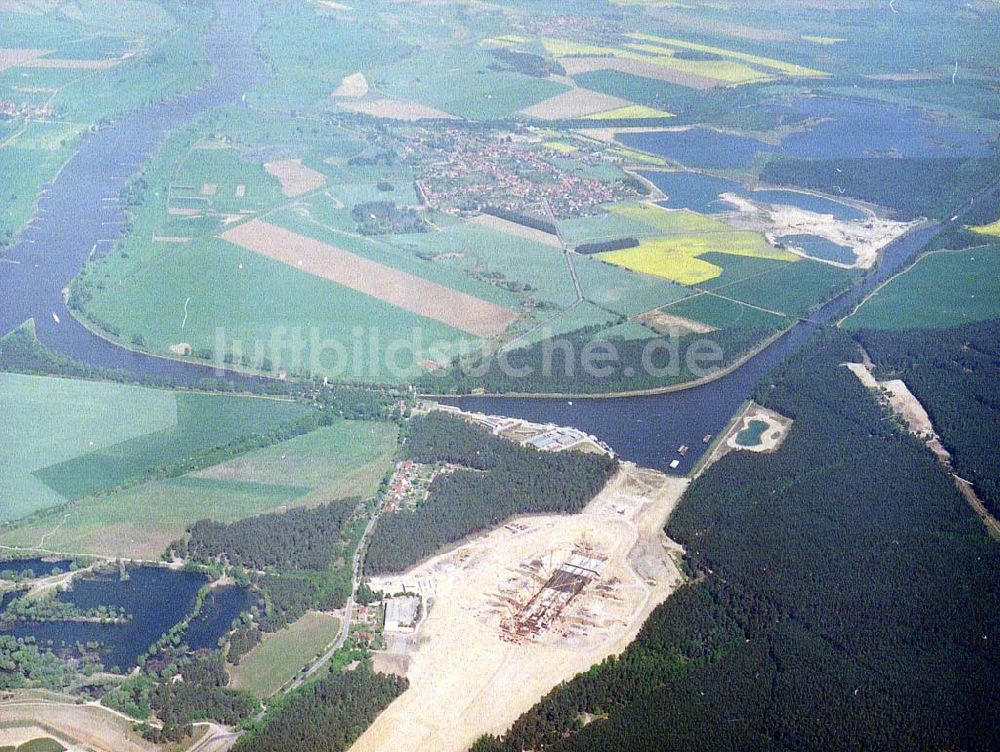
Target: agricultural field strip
406, 291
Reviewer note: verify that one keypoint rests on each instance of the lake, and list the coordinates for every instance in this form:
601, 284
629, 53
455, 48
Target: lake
155, 598
821, 248
38, 566
847, 128
701, 193
221, 607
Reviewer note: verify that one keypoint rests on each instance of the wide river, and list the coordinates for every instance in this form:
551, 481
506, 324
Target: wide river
78, 214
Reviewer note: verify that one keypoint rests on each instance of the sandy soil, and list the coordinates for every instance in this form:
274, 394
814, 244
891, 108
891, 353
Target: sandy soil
899, 397
354, 85
406, 291
514, 228
396, 109
461, 664
575, 65
866, 237
89, 725
666, 323
773, 436
296, 179
18, 735
574, 103
209, 189
12, 58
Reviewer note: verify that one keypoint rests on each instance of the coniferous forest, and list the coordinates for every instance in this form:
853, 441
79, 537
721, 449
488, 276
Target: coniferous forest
843, 597
496, 480
955, 373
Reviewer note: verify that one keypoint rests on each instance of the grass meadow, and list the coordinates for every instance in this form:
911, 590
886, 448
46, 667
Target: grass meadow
280, 656
346, 459
941, 289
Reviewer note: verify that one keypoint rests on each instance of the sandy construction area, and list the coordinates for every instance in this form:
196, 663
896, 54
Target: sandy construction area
514, 228
899, 397
96, 728
468, 675
575, 65
415, 294
354, 85
575, 103
866, 238
296, 179
396, 109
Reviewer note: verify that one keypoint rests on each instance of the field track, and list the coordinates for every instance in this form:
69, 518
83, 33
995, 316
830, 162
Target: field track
415, 294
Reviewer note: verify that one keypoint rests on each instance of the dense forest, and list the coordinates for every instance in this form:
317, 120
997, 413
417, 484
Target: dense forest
955, 373
180, 694
544, 368
913, 186
497, 479
296, 539
326, 715
845, 598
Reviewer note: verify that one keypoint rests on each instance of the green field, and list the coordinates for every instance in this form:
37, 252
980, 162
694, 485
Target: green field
48, 421
941, 289
346, 459
255, 300
72, 438
462, 82
722, 314
204, 421
42, 744
280, 656
791, 289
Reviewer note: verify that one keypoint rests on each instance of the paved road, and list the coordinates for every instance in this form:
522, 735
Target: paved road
345, 625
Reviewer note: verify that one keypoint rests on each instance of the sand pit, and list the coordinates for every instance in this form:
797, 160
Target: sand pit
209, 189
11, 58
354, 85
771, 436
15, 736
575, 103
897, 395
396, 109
90, 725
575, 65
406, 291
296, 179
666, 323
464, 657
515, 228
